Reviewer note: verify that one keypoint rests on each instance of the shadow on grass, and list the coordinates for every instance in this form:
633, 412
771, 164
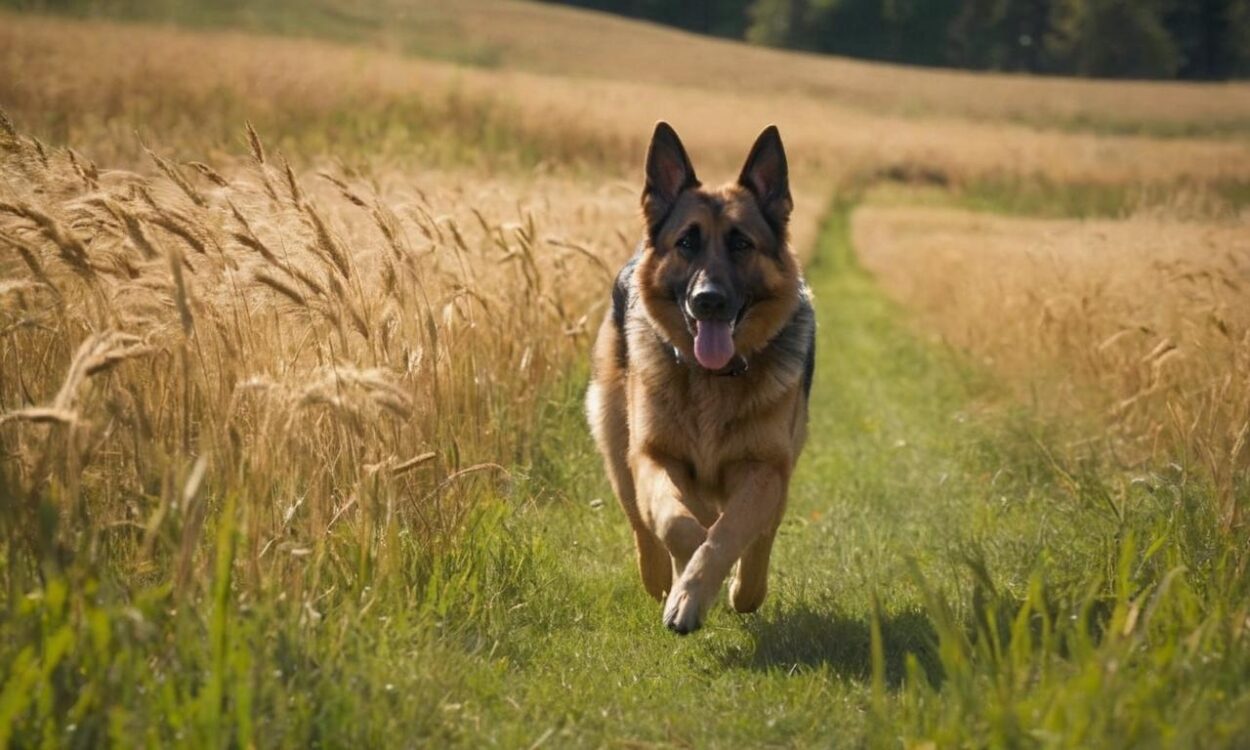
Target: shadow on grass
803, 636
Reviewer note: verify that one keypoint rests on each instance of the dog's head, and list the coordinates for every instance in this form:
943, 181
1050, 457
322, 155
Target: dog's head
717, 277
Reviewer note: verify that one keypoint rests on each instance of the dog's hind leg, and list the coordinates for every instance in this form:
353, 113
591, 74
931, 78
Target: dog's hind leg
653, 560
653, 563
750, 583
605, 408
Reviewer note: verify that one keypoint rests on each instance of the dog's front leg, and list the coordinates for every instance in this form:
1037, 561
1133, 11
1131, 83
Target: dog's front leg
670, 509
753, 506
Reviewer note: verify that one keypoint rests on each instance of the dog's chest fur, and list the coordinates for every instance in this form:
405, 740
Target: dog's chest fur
708, 421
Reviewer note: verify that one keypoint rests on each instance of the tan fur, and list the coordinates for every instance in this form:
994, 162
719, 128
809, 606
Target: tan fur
701, 462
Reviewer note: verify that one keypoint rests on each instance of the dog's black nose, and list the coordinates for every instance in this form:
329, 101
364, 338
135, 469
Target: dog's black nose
709, 303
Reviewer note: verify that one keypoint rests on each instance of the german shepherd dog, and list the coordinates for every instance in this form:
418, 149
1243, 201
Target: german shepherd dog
702, 370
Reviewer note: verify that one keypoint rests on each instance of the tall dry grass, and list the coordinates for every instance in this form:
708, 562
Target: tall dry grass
562, 41
92, 83
1141, 323
340, 354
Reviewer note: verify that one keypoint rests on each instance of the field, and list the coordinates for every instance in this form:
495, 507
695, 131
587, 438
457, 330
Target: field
295, 309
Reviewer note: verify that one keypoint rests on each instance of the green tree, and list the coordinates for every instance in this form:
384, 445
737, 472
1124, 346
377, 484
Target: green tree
1207, 39
719, 17
1235, 41
1212, 37
1113, 39
776, 23
1000, 35
912, 31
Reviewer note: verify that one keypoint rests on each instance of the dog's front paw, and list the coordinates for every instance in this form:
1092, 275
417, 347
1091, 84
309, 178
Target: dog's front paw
685, 609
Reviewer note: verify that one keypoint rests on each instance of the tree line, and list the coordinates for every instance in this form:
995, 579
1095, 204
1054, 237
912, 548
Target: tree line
1190, 39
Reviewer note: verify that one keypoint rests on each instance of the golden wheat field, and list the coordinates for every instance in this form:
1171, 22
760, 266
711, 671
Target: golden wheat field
318, 92
1140, 322
308, 337
284, 318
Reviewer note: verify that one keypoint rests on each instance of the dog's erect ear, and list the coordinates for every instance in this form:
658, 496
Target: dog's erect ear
669, 172
767, 176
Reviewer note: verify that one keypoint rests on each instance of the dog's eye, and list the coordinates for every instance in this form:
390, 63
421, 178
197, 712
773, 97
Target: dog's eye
689, 242
739, 242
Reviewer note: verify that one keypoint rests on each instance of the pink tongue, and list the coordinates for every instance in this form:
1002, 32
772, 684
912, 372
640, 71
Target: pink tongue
713, 343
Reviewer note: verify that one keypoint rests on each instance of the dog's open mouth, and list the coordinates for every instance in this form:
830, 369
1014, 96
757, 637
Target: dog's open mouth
713, 343
714, 340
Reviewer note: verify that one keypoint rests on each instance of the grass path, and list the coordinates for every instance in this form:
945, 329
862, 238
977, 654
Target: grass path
897, 469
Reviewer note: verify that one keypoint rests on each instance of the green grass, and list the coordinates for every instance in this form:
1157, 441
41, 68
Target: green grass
946, 572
